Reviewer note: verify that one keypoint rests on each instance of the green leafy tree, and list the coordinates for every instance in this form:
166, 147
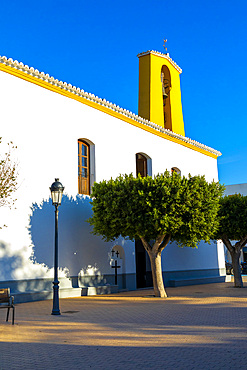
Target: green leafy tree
8, 177
156, 210
232, 229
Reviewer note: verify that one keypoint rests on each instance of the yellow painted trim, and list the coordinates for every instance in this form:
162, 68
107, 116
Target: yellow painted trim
35, 80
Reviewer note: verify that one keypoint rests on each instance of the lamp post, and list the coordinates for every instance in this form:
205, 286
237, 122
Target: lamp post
56, 195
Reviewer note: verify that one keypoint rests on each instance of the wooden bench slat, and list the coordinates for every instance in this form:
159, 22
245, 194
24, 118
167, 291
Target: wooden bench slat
6, 298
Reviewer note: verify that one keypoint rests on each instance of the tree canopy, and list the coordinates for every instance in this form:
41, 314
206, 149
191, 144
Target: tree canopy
156, 210
184, 208
233, 217
232, 229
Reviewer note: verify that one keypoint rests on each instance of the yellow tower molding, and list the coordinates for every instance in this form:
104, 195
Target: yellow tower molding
159, 91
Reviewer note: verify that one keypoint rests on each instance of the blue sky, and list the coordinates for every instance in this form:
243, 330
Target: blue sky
93, 45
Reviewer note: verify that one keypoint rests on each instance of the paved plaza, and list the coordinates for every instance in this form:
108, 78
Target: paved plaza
197, 327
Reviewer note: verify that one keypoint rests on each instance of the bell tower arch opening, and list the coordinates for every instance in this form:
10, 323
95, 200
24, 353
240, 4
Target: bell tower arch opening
166, 87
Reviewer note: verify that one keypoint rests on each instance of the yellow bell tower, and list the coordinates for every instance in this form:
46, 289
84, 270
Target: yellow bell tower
159, 91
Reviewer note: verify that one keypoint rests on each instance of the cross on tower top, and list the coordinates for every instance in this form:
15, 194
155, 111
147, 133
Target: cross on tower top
165, 40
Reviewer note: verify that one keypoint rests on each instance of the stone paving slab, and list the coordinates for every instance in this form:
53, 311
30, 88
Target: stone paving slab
196, 327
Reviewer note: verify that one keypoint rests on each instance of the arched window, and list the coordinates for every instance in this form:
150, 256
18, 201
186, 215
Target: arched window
141, 165
175, 169
83, 167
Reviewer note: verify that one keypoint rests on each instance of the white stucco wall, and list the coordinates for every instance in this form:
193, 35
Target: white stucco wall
206, 256
45, 126
236, 189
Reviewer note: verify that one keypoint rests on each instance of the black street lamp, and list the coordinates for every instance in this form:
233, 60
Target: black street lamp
56, 195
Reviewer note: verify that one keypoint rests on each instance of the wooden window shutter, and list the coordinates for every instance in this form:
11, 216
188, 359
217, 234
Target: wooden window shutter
83, 168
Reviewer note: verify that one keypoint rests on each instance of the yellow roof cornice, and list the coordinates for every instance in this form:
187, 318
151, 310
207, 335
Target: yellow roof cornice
50, 83
165, 56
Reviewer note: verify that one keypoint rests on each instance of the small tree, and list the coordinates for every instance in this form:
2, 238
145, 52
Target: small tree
8, 175
156, 210
233, 227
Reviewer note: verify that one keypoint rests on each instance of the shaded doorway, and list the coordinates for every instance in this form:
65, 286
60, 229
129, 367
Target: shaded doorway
245, 254
143, 267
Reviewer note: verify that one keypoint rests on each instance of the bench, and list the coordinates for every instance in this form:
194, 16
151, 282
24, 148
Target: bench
7, 301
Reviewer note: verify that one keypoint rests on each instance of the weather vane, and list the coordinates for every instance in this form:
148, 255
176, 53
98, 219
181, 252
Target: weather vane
165, 40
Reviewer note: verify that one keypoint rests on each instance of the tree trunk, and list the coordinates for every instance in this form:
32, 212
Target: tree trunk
235, 252
238, 282
154, 253
155, 259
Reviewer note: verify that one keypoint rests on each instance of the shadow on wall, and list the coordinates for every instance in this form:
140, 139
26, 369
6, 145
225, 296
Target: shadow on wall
19, 264
9, 262
79, 250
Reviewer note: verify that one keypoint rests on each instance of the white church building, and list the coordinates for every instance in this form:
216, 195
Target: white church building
64, 132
